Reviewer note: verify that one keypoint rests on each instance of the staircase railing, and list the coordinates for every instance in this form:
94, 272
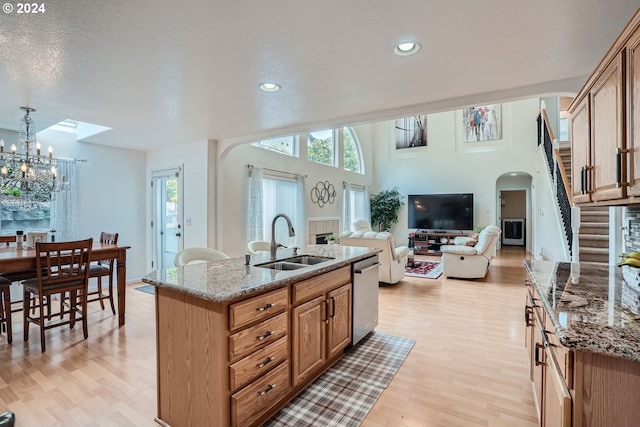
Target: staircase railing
558, 174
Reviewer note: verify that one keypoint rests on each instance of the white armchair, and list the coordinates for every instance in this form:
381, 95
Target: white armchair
361, 225
470, 262
392, 259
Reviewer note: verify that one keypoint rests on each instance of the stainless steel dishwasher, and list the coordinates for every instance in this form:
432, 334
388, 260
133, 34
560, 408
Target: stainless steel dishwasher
365, 297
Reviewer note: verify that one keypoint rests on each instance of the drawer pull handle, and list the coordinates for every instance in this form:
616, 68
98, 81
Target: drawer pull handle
265, 307
267, 390
265, 335
536, 357
526, 282
266, 362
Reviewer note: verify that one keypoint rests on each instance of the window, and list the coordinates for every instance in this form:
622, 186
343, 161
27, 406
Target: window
352, 152
359, 204
280, 195
285, 144
26, 216
321, 147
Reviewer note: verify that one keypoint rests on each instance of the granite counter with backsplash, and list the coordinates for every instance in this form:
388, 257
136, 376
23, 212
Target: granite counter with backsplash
590, 305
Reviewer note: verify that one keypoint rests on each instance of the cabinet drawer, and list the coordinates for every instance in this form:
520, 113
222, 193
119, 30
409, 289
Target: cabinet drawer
562, 356
255, 337
257, 308
322, 284
251, 402
251, 367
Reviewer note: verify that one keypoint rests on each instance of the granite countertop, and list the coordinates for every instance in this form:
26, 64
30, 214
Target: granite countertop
230, 279
583, 300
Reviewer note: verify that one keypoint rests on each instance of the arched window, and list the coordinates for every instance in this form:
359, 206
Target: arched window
353, 160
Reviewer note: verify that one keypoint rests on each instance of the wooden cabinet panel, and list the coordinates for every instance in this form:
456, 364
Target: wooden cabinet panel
320, 285
253, 366
607, 133
254, 309
251, 339
308, 337
580, 150
339, 326
557, 399
538, 364
633, 111
250, 403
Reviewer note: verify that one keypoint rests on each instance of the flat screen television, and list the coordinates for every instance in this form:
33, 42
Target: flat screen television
451, 212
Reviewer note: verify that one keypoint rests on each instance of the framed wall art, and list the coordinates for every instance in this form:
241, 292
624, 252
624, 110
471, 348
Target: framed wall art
411, 132
482, 123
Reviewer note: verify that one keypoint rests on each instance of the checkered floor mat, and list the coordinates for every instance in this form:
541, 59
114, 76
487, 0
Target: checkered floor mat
343, 395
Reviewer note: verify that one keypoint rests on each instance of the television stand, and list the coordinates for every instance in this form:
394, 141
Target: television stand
429, 242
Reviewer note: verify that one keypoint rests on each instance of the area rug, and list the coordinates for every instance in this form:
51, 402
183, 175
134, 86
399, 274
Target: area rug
150, 289
343, 396
425, 269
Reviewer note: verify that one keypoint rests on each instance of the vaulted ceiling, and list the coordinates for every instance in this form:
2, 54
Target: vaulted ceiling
163, 73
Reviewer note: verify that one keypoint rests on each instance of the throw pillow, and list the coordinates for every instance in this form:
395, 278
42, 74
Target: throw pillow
472, 241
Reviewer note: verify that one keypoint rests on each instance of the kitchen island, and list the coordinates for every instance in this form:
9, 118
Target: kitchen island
583, 342
235, 342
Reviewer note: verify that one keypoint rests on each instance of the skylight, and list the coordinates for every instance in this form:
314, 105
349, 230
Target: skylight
82, 130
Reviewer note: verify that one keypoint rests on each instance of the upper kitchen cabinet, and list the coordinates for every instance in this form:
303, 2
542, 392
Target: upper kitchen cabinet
603, 117
632, 50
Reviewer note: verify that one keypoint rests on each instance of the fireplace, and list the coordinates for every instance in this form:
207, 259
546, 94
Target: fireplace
321, 239
320, 228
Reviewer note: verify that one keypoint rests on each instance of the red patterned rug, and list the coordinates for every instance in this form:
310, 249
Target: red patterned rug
425, 269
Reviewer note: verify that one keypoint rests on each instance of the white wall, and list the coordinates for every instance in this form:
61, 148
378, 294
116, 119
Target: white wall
548, 238
193, 158
233, 179
449, 165
111, 193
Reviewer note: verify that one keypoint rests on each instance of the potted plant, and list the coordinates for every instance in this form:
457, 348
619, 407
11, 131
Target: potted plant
331, 239
384, 208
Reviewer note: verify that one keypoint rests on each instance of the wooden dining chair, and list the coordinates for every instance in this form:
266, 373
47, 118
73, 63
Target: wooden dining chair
62, 268
102, 269
5, 308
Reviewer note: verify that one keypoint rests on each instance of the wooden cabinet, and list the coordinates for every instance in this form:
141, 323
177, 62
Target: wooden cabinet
632, 50
321, 323
580, 150
550, 388
429, 243
605, 146
235, 364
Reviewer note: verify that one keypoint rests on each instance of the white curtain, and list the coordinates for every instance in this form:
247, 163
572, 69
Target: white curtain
300, 216
64, 203
367, 204
346, 208
254, 205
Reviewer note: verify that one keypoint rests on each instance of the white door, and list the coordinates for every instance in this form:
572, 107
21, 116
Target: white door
166, 223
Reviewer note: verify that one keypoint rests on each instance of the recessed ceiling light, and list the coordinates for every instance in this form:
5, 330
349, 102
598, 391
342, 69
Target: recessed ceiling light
514, 174
406, 48
269, 87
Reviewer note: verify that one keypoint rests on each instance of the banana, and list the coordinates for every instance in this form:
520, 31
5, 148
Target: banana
635, 255
633, 262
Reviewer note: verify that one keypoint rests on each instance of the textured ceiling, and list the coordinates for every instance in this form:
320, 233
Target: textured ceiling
163, 73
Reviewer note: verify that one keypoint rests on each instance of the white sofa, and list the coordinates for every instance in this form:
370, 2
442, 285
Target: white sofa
392, 259
470, 262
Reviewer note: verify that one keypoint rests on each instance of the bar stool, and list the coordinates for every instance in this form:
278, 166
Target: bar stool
5, 308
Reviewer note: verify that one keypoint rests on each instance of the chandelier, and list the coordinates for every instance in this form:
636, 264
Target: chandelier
28, 175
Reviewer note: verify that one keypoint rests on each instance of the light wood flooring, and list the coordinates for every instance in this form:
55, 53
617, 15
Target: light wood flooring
467, 368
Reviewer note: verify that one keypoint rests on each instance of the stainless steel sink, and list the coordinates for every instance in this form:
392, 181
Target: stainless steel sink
308, 259
294, 263
281, 265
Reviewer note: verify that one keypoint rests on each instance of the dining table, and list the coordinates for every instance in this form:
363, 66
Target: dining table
19, 264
